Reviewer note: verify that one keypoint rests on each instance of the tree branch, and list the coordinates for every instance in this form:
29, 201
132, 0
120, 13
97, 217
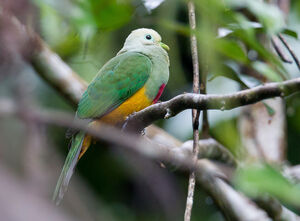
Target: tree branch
172, 107
58, 74
47, 64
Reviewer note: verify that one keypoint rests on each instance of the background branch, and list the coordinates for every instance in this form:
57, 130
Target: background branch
234, 205
58, 74
279, 51
275, 210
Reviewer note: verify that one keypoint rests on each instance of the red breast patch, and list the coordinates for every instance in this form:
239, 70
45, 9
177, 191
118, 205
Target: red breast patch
161, 89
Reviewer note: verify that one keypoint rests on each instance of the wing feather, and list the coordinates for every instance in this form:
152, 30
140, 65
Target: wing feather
118, 80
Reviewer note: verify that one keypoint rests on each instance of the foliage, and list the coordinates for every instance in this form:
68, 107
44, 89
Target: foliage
260, 180
234, 39
248, 24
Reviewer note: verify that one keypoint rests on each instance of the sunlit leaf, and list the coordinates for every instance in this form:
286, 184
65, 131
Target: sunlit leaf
257, 180
152, 4
246, 24
269, 15
247, 34
222, 32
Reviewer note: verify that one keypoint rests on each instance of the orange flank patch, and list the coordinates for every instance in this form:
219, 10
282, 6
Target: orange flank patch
135, 103
85, 145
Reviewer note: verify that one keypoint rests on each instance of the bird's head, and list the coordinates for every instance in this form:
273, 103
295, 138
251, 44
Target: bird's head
144, 38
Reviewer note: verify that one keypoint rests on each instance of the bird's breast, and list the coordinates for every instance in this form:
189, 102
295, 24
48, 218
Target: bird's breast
135, 103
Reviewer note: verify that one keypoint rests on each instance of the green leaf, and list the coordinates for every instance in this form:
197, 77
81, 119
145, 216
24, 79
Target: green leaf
270, 110
290, 32
90, 15
266, 70
232, 50
228, 72
257, 180
180, 28
106, 15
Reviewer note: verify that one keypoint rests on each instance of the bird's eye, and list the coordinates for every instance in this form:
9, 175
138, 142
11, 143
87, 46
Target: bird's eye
148, 37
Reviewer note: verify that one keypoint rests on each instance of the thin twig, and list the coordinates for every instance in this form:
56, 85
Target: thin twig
205, 123
279, 51
288, 47
195, 112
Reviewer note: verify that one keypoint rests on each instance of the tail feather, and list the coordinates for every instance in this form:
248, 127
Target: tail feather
68, 168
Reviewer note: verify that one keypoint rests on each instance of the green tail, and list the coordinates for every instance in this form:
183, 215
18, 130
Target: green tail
69, 166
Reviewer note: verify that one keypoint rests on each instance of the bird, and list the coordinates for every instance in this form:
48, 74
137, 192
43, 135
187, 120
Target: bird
129, 82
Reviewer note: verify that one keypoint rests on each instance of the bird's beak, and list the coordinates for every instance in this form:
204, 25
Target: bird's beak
164, 46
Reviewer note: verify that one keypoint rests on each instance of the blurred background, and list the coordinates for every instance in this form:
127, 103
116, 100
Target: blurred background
110, 184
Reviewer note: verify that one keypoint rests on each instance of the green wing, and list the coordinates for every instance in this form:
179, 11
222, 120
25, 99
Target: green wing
118, 80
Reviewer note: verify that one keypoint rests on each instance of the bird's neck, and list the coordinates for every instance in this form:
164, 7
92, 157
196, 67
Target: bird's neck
159, 75
160, 68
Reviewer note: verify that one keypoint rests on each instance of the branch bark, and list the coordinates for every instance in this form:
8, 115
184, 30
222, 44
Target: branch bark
195, 112
172, 107
57, 73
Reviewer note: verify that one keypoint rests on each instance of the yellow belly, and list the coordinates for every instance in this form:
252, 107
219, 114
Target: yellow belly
135, 103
